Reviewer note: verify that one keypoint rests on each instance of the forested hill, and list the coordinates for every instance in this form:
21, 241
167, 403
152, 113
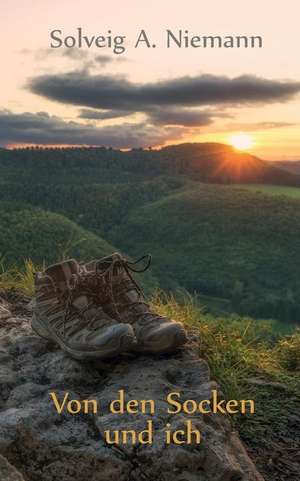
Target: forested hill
241, 247
206, 162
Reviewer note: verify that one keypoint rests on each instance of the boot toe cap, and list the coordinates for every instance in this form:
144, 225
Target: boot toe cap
164, 338
115, 339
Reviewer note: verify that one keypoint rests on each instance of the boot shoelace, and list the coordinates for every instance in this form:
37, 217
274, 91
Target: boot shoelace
118, 263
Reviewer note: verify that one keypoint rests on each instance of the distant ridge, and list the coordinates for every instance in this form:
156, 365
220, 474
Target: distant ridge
292, 166
206, 162
221, 163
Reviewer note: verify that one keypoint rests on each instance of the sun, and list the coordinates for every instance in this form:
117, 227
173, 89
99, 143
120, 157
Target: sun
241, 141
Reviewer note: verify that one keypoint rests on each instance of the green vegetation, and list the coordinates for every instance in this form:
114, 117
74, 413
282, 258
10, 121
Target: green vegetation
207, 162
45, 236
96, 207
236, 347
222, 242
292, 192
237, 248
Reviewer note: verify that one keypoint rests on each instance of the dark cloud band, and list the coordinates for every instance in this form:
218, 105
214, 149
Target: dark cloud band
112, 92
43, 129
102, 114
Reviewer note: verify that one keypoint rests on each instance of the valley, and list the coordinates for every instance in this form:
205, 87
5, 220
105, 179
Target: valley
209, 233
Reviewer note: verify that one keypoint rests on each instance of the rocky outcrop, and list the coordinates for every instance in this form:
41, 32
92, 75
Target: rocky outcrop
46, 446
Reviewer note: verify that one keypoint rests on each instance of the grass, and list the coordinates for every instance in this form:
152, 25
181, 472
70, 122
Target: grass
276, 190
236, 348
21, 280
24, 280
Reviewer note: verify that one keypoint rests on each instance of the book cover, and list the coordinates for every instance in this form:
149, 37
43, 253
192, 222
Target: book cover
149, 241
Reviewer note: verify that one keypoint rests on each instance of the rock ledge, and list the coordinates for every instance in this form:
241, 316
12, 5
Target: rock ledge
46, 446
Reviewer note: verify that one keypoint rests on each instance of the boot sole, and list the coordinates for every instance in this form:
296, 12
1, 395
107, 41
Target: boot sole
125, 343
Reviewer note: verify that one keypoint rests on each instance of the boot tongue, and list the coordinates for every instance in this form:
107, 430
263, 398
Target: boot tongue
128, 292
125, 291
62, 272
120, 276
132, 298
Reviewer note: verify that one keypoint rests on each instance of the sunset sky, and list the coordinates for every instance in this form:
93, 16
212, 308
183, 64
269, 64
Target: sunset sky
151, 96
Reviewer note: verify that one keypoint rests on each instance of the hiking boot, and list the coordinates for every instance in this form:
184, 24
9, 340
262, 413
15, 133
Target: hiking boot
121, 297
65, 312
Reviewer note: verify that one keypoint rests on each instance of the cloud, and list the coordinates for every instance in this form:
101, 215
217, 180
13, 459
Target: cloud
74, 53
39, 54
114, 92
78, 56
258, 125
102, 114
41, 128
103, 59
160, 116
90, 61
184, 116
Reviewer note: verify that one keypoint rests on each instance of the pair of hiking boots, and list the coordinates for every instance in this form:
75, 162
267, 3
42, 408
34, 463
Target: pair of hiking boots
97, 310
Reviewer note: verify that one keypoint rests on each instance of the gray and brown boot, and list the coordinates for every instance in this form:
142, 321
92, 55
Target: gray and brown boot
121, 297
66, 312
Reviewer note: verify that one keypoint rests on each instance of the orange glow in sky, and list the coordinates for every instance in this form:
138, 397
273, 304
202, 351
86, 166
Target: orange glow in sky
268, 129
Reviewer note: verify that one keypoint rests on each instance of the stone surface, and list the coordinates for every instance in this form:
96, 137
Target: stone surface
8, 472
46, 446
